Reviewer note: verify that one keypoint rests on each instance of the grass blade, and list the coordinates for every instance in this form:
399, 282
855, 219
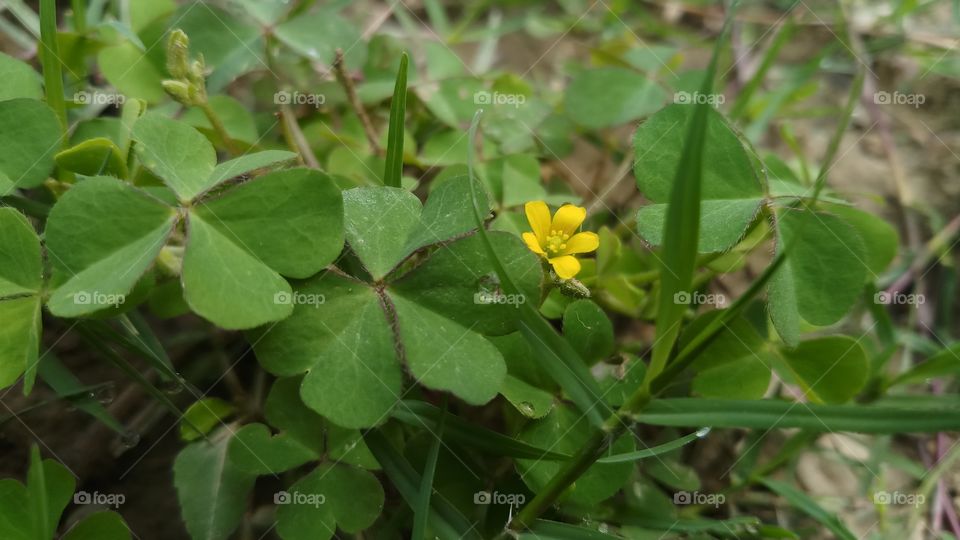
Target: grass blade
774, 413
446, 520
422, 509
393, 170
805, 504
555, 354
420, 414
50, 59
67, 386
656, 450
543, 529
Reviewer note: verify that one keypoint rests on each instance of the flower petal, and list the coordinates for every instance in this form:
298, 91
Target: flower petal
584, 242
566, 266
533, 243
568, 218
539, 217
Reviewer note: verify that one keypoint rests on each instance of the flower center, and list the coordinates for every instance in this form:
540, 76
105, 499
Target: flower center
556, 241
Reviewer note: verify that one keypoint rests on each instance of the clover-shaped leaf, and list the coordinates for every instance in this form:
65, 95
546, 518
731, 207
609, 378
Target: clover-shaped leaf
731, 192
19, 79
21, 279
348, 334
330, 497
29, 137
238, 245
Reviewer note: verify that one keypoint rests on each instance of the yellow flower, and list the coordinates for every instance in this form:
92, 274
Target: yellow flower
557, 239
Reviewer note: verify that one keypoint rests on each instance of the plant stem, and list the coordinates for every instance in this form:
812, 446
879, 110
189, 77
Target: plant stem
221, 130
355, 104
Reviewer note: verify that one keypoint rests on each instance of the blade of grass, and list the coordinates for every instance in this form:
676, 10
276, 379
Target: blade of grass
555, 355
544, 529
50, 60
393, 170
656, 450
446, 520
769, 57
422, 508
424, 415
67, 386
775, 413
805, 504
37, 496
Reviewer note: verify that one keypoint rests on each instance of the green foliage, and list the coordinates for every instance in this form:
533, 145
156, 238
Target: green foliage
364, 232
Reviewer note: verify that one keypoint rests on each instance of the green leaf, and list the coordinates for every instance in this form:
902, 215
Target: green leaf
805, 504
531, 401
20, 264
608, 96
881, 240
19, 80
393, 170
656, 450
831, 369
286, 222
230, 45
212, 492
204, 414
248, 163
93, 157
95, 261
67, 386
254, 450
132, 72
51, 62
823, 276
20, 321
345, 344
445, 355
589, 330
731, 190
50, 488
29, 138
774, 413
565, 430
176, 152
421, 509
736, 364
317, 35
14, 514
331, 496
99, 526
515, 178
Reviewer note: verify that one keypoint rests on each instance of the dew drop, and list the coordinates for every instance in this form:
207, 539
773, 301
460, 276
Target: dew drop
702, 432
527, 408
172, 387
106, 394
129, 439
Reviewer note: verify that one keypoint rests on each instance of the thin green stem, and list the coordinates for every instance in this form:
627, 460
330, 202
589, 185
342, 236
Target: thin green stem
221, 129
